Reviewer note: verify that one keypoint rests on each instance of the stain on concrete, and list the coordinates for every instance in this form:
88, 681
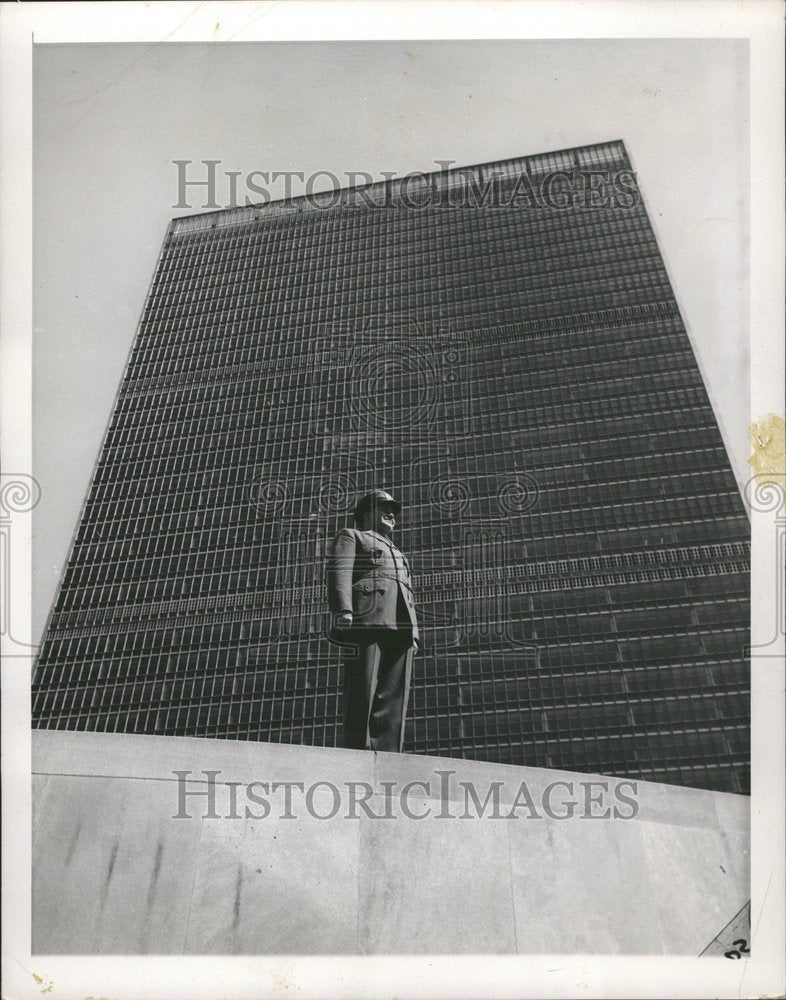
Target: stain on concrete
110, 870
238, 890
151, 890
73, 843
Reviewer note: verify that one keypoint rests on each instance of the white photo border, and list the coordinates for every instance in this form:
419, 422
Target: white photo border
195, 977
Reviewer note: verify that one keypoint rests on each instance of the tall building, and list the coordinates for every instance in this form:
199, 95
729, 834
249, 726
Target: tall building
500, 347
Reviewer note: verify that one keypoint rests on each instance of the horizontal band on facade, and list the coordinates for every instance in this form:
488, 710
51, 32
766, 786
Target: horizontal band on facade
453, 359
278, 602
325, 358
551, 569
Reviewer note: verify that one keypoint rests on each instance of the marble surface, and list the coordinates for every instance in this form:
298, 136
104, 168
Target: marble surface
112, 872
576, 884
276, 885
128, 860
434, 885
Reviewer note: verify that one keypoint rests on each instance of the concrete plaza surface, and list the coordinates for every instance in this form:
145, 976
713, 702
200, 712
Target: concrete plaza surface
353, 858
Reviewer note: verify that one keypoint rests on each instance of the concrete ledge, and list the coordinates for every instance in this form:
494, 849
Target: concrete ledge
130, 858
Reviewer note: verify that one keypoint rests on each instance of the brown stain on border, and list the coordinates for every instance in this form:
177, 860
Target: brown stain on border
768, 440
768, 461
46, 984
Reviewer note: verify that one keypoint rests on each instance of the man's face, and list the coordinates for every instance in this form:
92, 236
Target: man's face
381, 518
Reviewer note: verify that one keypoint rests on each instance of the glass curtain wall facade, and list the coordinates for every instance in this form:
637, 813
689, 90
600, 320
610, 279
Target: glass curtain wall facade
519, 376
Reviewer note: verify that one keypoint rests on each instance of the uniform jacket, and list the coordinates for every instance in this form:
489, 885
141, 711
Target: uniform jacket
366, 573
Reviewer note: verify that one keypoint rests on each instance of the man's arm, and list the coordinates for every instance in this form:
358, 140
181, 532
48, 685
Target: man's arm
415, 641
340, 564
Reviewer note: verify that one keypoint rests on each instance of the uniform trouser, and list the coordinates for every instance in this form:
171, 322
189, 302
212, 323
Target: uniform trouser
377, 675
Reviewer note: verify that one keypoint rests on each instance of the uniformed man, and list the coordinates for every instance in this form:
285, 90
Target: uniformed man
373, 613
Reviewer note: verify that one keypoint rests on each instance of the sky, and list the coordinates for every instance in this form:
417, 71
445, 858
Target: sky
110, 121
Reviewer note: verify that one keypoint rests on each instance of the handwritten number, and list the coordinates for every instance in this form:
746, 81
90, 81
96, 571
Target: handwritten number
742, 944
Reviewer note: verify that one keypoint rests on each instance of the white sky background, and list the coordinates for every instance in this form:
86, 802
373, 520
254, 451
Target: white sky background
110, 119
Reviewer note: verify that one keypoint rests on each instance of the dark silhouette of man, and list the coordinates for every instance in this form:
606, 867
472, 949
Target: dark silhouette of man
373, 614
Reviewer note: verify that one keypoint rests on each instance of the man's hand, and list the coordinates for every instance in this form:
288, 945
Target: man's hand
343, 620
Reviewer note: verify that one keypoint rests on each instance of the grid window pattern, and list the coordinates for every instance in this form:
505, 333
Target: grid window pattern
519, 376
